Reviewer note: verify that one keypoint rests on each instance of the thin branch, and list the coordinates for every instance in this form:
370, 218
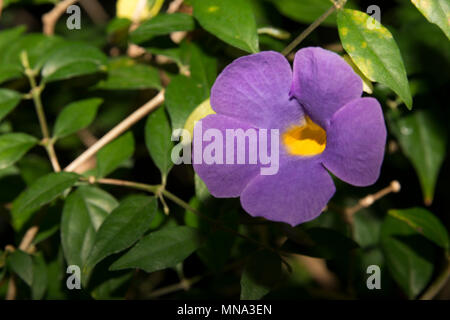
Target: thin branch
86, 137
439, 283
118, 130
367, 201
49, 19
124, 183
28, 238
95, 11
12, 289
174, 6
337, 5
184, 284
36, 95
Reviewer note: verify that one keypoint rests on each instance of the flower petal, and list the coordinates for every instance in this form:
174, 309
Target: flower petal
356, 139
255, 88
223, 180
298, 193
323, 83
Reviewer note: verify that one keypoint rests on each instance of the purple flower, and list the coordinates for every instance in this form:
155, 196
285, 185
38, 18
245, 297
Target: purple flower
324, 125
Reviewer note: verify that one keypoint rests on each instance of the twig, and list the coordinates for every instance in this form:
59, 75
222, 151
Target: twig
174, 6
117, 130
24, 245
49, 19
12, 289
124, 183
95, 11
184, 284
1, 7
367, 201
28, 238
86, 137
337, 5
439, 283
319, 271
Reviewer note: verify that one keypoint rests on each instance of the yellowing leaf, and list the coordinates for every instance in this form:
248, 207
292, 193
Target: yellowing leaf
367, 84
374, 50
199, 113
138, 10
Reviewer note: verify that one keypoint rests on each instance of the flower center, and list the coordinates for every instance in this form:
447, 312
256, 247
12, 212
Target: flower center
308, 139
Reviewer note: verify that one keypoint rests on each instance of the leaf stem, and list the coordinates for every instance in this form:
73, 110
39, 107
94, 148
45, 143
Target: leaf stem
36, 96
337, 5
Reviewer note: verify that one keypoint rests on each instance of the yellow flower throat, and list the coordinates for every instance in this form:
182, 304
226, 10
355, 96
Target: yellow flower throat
308, 139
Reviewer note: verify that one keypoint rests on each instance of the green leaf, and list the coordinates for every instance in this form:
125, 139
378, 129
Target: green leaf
49, 224
72, 60
41, 192
21, 264
10, 35
423, 140
217, 247
306, 11
425, 223
409, 257
40, 278
33, 166
203, 67
38, 48
114, 154
367, 227
14, 146
83, 214
126, 74
436, 11
122, 228
158, 140
118, 25
318, 242
160, 249
76, 116
162, 24
113, 287
229, 20
201, 190
261, 273
182, 96
9, 99
374, 50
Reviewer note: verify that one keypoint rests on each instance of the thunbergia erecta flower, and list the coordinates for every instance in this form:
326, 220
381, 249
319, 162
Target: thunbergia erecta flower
324, 126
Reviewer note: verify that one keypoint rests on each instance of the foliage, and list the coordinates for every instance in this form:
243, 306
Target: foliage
126, 209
